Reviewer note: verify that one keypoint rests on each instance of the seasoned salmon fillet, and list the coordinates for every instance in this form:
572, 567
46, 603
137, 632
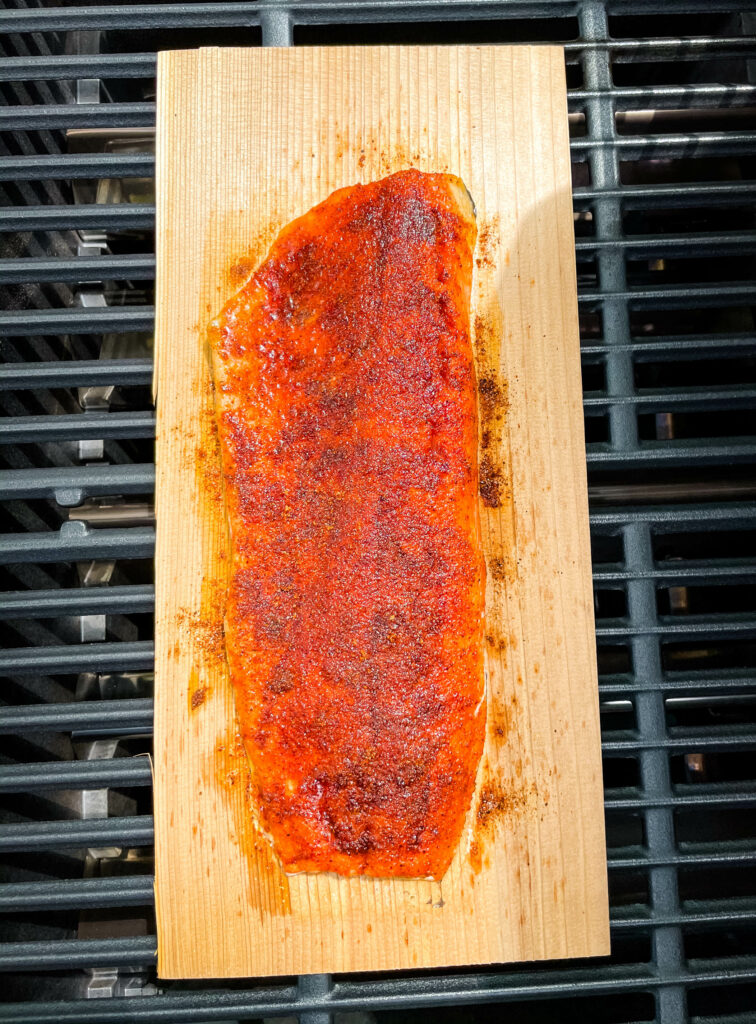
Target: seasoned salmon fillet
346, 408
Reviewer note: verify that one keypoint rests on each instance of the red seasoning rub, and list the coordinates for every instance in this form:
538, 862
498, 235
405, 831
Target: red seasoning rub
346, 406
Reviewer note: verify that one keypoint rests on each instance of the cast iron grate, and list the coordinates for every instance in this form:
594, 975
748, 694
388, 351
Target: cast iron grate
663, 117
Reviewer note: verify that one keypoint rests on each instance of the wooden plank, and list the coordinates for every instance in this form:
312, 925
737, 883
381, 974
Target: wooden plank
248, 140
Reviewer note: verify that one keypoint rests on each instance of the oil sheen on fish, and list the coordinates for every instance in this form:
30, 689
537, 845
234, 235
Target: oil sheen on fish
347, 415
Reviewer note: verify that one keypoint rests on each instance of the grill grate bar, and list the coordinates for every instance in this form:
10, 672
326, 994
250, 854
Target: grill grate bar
92, 320
69, 484
77, 893
138, 654
678, 572
129, 772
137, 950
711, 193
118, 372
80, 115
77, 65
669, 96
38, 429
78, 601
95, 216
81, 320
679, 517
134, 716
77, 165
726, 625
740, 911
475, 989
669, 145
75, 542
668, 296
135, 16
121, 600
143, 65
97, 717
691, 796
141, 424
141, 267
645, 349
679, 47
693, 244
732, 395
121, 717
95, 774
138, 890
670, 684
632, 147
73, 484
724, 854
736, 738
319, 12
66, 953
128, 318
137, 115
138, 268
24, 836
65, 659
641, 196
691, 451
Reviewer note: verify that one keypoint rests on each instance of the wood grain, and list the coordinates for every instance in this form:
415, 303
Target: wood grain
248, 140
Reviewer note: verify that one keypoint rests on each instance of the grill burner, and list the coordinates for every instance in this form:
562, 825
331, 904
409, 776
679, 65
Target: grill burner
663, 120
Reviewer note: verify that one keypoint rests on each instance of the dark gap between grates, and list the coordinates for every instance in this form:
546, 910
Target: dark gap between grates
660, 221
701, 373
712, 654
720, 766
709, 824
721, 422
708, 600
691, 318
659, 25
128, 41
504, 30
674, 169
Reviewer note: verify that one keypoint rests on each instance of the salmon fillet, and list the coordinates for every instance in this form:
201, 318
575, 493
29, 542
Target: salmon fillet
347, 415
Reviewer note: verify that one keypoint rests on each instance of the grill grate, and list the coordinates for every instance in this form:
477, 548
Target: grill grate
663, 119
